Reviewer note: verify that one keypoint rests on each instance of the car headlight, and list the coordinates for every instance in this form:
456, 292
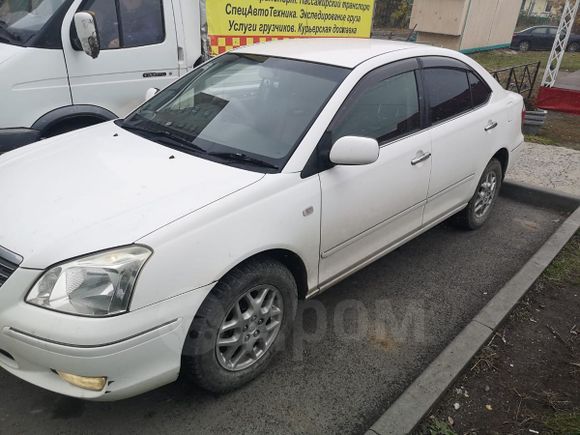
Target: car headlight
97, 285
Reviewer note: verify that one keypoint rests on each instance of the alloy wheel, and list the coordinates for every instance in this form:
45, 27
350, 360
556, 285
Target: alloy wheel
485, 195
249, 328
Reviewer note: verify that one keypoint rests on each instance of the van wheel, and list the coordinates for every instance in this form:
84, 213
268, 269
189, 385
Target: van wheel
479, 207
239, 326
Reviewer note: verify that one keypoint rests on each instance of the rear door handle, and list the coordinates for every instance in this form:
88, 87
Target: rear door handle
420, 159
490, 126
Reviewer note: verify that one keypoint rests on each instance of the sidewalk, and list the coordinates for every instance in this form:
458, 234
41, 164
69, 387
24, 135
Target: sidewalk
548, 166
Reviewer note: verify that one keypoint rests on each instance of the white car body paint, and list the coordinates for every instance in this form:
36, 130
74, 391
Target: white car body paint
104, 187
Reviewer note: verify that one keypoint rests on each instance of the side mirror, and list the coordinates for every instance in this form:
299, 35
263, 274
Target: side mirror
354, 150
150, 93
86, 27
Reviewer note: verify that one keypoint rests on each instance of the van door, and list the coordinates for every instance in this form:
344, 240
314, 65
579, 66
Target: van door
138, 51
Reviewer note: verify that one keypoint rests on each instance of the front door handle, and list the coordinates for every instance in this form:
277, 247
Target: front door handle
420, 159
490, 126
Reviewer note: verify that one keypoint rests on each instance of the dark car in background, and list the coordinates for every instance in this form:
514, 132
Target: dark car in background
541, 38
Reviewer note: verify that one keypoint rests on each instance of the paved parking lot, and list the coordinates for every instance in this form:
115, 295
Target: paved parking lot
354, 351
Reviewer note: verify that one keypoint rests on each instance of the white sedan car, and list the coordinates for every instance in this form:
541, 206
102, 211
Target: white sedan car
182, 237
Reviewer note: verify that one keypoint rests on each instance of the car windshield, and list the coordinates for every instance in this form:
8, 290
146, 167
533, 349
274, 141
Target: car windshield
21, 20
257, 107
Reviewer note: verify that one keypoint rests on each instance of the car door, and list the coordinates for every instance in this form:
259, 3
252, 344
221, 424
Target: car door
540, 38
551, 36
464, 128
366, 209
138, 51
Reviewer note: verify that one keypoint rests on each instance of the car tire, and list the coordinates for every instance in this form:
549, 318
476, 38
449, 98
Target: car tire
204, 362
574, 47
524, 46
483, 200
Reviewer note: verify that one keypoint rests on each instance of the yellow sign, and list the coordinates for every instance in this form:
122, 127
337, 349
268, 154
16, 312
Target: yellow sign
232, 23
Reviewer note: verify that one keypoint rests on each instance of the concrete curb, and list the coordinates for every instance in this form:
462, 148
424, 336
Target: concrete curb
539, 196
421, 396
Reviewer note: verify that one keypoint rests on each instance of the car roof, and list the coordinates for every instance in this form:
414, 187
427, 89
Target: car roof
344, 52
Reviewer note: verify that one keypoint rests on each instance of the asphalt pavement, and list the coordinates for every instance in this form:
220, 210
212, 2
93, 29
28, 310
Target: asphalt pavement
354, 351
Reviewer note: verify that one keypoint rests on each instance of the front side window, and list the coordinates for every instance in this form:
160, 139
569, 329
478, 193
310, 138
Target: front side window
238, 104
449, 93
22, 20
128, 23
384, 111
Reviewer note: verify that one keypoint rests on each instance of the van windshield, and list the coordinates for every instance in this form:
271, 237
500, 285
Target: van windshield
256, 106
22, 20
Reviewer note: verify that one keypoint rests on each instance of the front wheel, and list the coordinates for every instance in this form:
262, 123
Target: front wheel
234, 334
524, 46
479, 207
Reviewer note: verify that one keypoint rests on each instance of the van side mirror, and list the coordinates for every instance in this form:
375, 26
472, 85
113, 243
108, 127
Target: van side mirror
150, 93
86, 27
354, 150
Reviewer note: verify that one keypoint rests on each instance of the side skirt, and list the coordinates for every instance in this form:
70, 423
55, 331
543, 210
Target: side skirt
381, 253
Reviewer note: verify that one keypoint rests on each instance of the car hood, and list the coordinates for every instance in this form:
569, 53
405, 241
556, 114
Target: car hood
99, 188
7, 51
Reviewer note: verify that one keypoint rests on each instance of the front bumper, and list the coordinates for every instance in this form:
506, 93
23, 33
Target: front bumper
137, 352
12, 138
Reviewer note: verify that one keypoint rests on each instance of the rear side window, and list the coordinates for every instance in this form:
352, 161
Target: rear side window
480, 92
384, 111
540, 31
449, 93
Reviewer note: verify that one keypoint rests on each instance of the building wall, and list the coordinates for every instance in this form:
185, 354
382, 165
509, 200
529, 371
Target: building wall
490, 23
445, 17
465, 24
438, 40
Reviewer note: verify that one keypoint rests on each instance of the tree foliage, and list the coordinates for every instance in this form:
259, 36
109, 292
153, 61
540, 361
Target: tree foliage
393, 13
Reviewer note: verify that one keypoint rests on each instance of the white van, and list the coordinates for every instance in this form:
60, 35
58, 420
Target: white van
49, 85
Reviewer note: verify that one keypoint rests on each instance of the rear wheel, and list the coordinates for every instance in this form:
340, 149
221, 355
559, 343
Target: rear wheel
574, 47
524, 46
234, 334
479, 207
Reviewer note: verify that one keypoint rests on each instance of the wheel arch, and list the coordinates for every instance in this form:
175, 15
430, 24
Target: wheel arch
503, 156
289, 259
66, 114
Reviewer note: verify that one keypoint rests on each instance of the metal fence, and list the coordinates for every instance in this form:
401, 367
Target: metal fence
521, 78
